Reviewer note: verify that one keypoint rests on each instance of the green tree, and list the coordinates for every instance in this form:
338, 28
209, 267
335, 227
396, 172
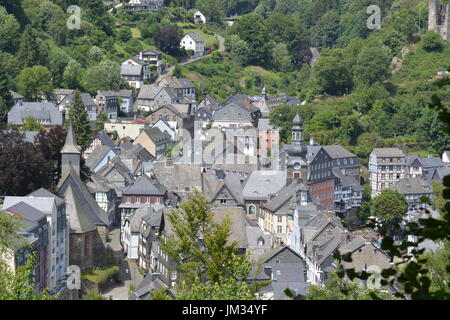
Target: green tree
332, 75
80, 120
372, 65
58, 60
72, 75
438, 266
9, 31
124, 34
35, 83
208, 261
337, 288
31, 124
431, 41
32, 50
252, 30
239, 49
281, 59
390, 206
6, 100
104, 76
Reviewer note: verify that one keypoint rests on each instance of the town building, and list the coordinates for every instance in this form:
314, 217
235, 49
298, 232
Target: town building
347, 162
64, 100
237, 112
199, 17
439, 18
133, 74
100, 157
144, 6
193, 42
418, 167
125, 127
46, 113
154, 141
108, 102
386, 167
17, 97
414, 189
347, 193
100, 138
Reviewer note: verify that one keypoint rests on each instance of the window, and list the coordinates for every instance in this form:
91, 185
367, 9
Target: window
223, 201
252, 209
280, 219
279, 229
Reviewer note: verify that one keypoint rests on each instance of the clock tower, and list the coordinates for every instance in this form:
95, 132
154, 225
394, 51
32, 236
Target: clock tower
296, 163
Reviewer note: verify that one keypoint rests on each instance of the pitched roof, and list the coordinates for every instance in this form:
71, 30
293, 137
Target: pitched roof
337, 152
280, 202
71, 145
432, 162
46, 194
261, 183
29, 215
44, 111
131, 70
347, 180
388, 152
413, 186
145, 186
98, 155
238, 223
195, 36
79, 220
82, 197
157, 136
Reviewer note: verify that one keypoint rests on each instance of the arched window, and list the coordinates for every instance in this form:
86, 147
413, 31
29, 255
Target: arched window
252, 209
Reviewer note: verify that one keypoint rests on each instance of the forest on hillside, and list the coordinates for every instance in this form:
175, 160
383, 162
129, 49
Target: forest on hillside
369, 88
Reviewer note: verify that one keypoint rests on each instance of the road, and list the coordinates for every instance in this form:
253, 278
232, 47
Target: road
129, 272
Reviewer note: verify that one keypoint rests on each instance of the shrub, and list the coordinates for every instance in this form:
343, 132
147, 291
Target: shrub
431, 41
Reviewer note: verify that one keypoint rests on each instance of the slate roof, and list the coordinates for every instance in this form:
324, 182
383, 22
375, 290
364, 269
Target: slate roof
388, 152
177, 83
149, 284
131, 70
337, 152
85, 98
353, 245
195, 36
44, 193
79, 220
70, 146
261, 183
263, 124
347, 180
16, 95
238, 224
105, 139
29, 215
157, 136
44, 204
424, 162
280, 202
440, 173
232, 112
144, 186
79, 197
98, 155
38, 110
98, 184
413, 186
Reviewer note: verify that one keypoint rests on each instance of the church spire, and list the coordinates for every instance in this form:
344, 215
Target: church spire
71, 145
70, 153
297, 129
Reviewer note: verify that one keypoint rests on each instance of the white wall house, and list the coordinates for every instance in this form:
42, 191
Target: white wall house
195, 42
198, 16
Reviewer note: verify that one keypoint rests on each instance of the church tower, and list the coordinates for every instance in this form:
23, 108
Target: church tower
296, 164
70, 153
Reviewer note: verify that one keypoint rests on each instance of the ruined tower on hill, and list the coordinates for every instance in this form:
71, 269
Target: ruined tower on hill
439, 18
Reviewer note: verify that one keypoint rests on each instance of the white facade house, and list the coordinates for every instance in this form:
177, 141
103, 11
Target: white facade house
199, 17
164, 126
446, 157
194, 42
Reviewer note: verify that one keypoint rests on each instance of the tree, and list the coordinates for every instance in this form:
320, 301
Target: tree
96, 53
124, 34
431, 41
281, 59
16, 284
332, 75
50, 144
6, 100
168, 40
31, 124
58, 60
372, 65
104, 76
80, 120
390, 206
23, 169
32, 50
337, 288
72, 75
35, 83
210, 264
239, 49
251, 28
9, 31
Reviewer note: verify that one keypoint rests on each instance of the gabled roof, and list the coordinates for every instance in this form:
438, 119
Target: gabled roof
38, 110
157, 136
238, 223
79, 220
131, 70
261, 183
29, 215
145, 186
82, 197
337, 152
413, 186
195, 36
283, 198
98, 155
388, 152
44, 193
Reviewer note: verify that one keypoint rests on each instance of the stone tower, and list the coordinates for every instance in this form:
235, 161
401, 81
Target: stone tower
439, 18
296, 164
70, 153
